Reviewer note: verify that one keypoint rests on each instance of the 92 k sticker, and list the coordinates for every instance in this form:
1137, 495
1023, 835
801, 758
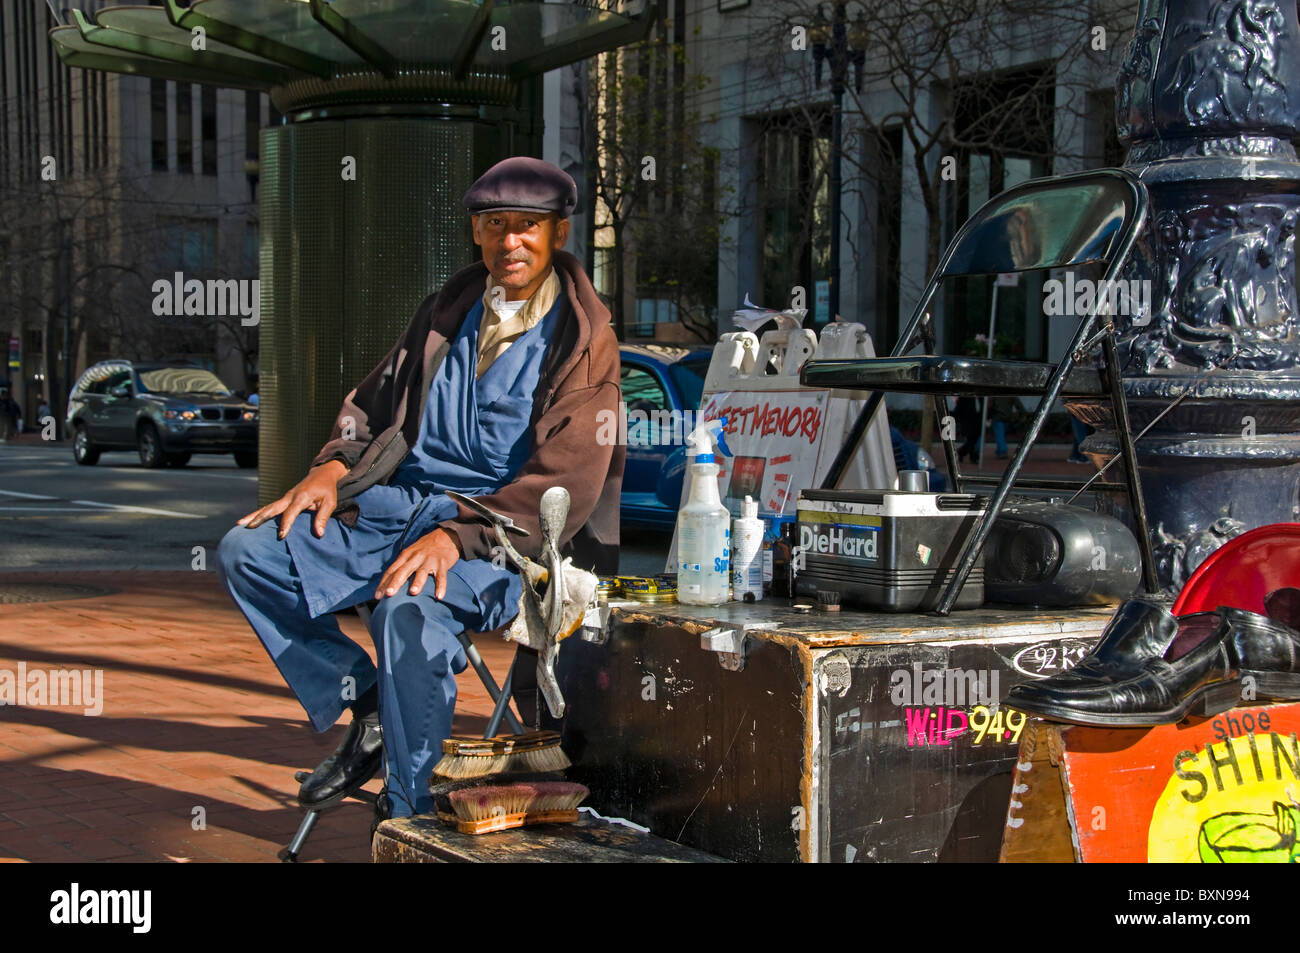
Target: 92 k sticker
1044, 661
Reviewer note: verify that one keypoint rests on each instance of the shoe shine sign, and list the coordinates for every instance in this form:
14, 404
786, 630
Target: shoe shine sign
1224, 789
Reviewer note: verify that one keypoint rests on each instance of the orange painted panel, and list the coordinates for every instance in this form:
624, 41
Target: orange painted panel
1218, 790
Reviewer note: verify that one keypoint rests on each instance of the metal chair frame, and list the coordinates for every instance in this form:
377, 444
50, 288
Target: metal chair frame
1117, 217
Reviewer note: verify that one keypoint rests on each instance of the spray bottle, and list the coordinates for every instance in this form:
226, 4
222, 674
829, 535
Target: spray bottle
704, 525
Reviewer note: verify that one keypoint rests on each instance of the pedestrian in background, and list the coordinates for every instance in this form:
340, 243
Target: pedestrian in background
967, 413
1002, 410
1080, 431
10, 417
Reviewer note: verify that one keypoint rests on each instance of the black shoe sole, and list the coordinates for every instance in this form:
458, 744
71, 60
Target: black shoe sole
1207, 701
1275, 686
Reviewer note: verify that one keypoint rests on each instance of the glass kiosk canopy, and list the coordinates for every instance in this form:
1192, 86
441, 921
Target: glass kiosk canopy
259, 44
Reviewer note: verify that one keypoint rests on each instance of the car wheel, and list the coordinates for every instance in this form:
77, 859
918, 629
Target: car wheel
82, 449
246, 458
150, 446
178, 459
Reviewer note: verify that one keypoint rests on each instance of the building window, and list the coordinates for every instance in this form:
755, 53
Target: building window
87, 111
158, 113
794, 207
652, 311
252, 123
184, 128
187, 244
252, 248
208, 99
103, 119
603, 271
1007, 120
888, 166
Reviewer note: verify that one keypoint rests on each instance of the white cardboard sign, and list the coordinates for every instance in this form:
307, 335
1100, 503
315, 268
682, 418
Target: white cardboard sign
774, 437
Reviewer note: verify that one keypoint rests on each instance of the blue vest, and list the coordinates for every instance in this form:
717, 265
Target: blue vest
475, 434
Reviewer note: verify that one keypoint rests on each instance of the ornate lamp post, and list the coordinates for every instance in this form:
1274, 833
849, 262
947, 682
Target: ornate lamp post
1208, 101
831, 41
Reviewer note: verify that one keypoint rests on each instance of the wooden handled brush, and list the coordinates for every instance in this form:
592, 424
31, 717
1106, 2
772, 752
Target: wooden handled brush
501, 754
501, 807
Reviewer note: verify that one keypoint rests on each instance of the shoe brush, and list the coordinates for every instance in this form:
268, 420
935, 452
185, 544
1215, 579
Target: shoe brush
499, 807
537, 751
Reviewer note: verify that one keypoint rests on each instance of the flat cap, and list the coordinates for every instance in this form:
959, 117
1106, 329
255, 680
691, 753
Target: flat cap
523, 184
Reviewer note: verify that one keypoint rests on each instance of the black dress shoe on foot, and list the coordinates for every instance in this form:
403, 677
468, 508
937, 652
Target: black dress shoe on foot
353, 763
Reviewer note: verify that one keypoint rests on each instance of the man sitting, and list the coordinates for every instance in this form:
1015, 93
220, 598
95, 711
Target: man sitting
495, 390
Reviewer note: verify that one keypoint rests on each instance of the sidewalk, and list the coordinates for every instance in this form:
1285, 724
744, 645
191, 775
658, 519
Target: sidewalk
195, 716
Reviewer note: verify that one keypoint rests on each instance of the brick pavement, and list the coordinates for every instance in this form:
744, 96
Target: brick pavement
195, 716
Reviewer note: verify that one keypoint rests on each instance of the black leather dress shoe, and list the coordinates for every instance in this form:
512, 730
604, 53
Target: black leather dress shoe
353, 763
1139, 630
1164, 690
1267, 648
1199, 670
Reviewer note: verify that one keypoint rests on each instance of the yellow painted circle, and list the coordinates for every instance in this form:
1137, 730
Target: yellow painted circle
1254, 821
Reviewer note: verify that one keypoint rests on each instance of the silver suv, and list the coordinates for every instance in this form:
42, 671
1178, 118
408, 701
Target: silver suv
166, 412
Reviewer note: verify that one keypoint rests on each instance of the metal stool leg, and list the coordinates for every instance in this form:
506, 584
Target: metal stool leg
499, 696
289, 855
502, 706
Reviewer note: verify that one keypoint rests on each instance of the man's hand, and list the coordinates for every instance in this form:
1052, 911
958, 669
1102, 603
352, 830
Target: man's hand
430, 555
318, 491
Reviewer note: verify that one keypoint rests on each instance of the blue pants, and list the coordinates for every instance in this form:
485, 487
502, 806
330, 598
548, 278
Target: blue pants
415, 641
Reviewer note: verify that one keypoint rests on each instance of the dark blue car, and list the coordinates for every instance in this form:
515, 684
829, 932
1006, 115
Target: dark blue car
660, 384
657, 379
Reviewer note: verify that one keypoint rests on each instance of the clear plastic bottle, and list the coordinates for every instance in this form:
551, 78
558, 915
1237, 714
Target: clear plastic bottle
703, 529
747, 554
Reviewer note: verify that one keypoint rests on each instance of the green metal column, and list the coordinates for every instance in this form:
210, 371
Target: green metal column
345, 262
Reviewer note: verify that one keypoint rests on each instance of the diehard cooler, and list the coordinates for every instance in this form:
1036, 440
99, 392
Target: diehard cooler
888, 550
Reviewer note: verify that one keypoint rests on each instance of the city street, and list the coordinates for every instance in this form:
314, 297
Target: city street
117, 515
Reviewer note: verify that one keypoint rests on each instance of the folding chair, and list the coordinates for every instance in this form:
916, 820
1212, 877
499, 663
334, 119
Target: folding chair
1057, 222
500, 712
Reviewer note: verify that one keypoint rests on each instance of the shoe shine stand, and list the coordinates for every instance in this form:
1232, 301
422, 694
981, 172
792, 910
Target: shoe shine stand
1219, 789
500, 712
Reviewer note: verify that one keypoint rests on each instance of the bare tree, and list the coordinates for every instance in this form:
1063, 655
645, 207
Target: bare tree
83, 253
933, 83
657, 197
